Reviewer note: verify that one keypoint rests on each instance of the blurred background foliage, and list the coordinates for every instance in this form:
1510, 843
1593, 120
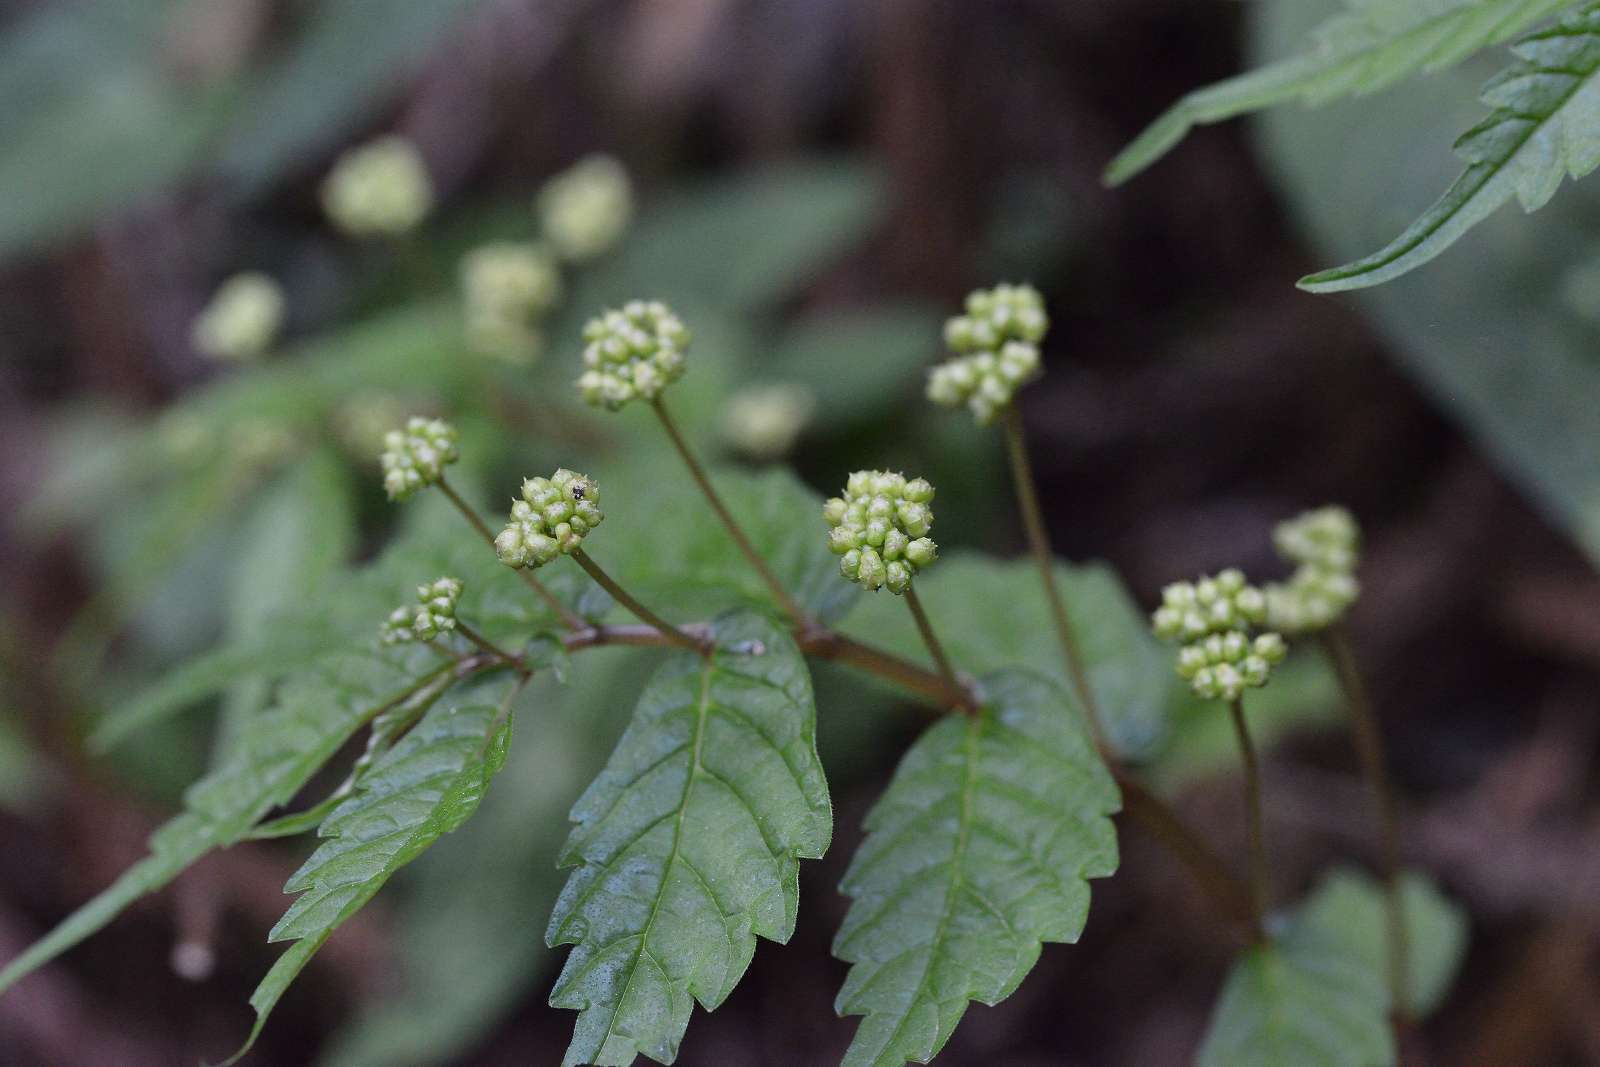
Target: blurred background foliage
816, 182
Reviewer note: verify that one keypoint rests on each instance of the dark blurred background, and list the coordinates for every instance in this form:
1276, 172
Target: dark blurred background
1194, 397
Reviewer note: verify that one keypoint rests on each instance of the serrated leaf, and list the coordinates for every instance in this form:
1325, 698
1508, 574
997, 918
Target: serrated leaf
688, 845
427, 785
1317, 995
1369, 47
992, 614
980, 851
277, 753
1545, 126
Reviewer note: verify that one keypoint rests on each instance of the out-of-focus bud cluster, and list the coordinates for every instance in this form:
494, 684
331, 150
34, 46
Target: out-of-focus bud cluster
508, 287
242, 321
585, 209
415, 457
632, 353
997, 350
1213, 618
1325, 544
552, 519
764, 421
880, 527
435, 616
379, 189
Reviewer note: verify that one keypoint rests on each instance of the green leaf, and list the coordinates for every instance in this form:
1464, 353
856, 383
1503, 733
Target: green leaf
992, 614
1317, 995
860, 364
1369, 47
1545, 126
277, 753
980, 850
427, 785
687, 846
1350, 906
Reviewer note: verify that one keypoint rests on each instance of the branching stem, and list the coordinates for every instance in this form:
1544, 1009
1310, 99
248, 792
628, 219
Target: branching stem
1369, 749
1252, 801
568, 617
489, 646
1044, 559
931, 639
788, 603
676, 636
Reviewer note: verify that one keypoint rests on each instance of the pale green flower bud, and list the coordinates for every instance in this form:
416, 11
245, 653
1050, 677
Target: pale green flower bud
764, 421
397, 628
1214, 617
378, 189
438, 612
997, 351
242, 321
415, 458
585, 209
506, 287
632, 353
879, 527
553, 517
1325, 543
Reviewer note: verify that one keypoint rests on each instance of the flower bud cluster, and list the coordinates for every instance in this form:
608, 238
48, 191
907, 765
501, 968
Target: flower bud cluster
242, 321
1213, 618
507, 288
880, 527
1325, 545
380, 189
415, 457
437, 614
552, 519
632, 353
764, 421
997, 346
585, 209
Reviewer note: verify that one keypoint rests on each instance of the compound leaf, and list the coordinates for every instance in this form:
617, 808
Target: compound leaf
1545, 126
1373, 45
424, 787
688, 844
980, 850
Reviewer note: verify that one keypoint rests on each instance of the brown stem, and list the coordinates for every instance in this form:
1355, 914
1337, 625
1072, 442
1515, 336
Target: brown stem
929, 638
1044, 559
642, 613
1368, 739
1252, 800
787, 602
568, 618
489, 646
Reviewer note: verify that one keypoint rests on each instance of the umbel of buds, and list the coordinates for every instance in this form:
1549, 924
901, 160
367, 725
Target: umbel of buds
380, 189
632, 353
1213, 617
415, 457
585, 209
997, 350
1325, 544
552, 519
880, 529
437, 614
243, 319
507, 286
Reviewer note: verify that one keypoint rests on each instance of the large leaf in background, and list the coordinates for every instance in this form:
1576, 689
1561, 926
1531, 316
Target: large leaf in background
92, 120
979, 851
744, 241
350, 57
277, 752
1316, 995
1504, 331
992, 614
462, 969
688, 845
1368, 46
1544, 128
424, 787
665, 543
860, 364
